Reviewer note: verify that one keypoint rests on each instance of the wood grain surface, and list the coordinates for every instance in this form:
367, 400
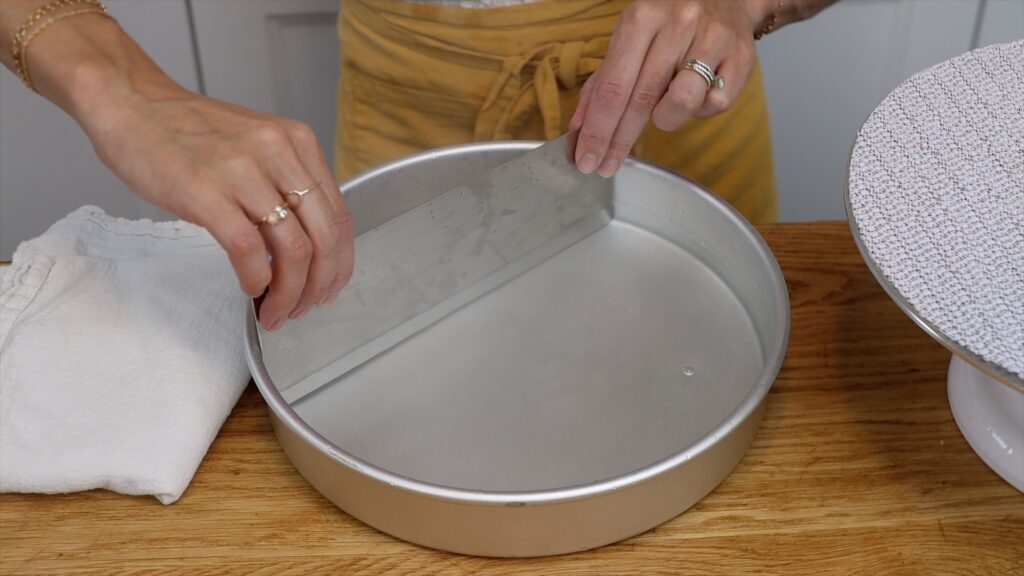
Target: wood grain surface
858, 468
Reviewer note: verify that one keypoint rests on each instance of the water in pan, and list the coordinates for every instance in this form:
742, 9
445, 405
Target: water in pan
618, 352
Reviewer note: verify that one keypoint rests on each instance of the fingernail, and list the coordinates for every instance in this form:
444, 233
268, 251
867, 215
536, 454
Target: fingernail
329, 299
608, 168
277, 324
299, 312
587, 163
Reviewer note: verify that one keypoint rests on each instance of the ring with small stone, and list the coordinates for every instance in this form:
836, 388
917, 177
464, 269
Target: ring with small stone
294, 197
280, 212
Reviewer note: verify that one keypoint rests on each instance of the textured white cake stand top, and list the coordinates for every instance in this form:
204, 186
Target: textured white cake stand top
936, 203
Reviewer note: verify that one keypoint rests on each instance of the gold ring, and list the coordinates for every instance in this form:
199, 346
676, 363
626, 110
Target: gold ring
280, 212
298, 194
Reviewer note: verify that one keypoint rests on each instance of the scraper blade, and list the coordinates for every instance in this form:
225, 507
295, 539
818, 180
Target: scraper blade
432, 260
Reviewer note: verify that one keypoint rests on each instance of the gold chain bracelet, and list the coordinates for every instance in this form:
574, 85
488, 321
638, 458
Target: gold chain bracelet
770, 24
35, 24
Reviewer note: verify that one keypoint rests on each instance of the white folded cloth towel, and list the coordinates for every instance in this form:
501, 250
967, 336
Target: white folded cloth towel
120, 356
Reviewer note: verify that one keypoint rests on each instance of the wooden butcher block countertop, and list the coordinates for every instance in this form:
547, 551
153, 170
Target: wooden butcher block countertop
858, 468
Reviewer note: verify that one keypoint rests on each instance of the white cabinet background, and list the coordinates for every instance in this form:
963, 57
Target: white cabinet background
823, 78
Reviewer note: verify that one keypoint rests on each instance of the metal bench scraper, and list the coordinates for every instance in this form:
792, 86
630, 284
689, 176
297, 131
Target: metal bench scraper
420, 266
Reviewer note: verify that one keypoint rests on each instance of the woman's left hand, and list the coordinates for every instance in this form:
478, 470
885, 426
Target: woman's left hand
643, 75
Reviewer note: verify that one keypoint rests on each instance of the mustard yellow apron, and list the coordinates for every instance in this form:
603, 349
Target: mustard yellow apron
420, 76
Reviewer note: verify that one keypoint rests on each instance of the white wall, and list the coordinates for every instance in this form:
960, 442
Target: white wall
1001, 21
47, 166
823, 78
278, 56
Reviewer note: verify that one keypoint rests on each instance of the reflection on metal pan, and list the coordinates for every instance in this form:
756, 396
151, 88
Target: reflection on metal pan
599, 390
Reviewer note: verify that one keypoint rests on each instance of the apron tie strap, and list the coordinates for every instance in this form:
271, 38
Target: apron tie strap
534, 82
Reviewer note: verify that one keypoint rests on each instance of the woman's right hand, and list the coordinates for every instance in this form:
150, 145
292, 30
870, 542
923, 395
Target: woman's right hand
218, 165
645, 75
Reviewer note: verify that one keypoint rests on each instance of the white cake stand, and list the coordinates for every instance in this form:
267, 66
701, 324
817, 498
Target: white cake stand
934, 199
987, 401
990, 415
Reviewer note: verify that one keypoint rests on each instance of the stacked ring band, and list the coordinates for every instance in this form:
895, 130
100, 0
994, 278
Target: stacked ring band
705, 72
280, 212
298, 194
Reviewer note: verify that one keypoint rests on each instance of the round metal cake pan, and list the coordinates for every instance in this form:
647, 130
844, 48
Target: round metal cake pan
593, 397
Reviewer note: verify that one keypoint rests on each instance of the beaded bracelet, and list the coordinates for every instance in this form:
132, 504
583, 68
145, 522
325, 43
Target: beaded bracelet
770, 24
36, 23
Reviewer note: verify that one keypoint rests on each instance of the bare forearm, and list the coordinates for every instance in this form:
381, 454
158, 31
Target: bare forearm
12, 14
84, 63
213, 163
